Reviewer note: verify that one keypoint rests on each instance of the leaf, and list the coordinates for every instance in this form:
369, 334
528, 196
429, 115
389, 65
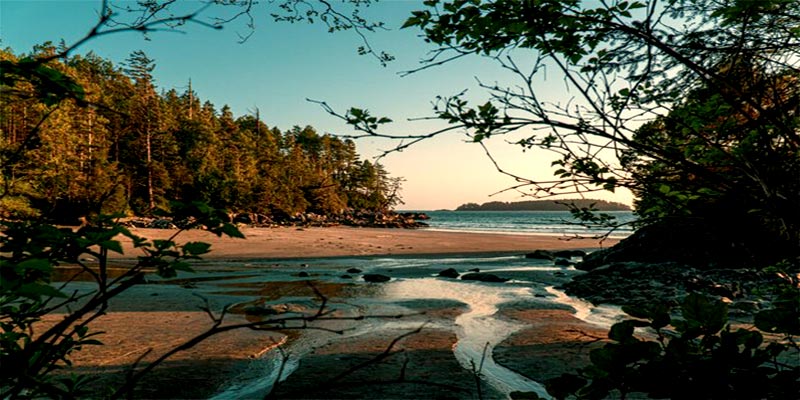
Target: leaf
564, 385
620, 331
196, 248
778, 320
161, 244
229, 230
181, 266
112, 245
623, 331
37, 290
38, 264
712, 316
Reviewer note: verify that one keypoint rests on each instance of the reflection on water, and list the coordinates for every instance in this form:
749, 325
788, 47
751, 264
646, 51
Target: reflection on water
413, 288
604, 315
478, 330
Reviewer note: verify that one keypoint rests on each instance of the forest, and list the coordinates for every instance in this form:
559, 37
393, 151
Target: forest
545, 205
120, 145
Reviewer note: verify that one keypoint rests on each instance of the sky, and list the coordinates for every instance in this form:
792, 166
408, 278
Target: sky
280, 66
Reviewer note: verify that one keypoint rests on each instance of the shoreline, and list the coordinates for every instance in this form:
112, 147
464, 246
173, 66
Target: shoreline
319, 242
226, 364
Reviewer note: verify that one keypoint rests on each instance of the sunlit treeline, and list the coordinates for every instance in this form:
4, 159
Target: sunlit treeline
118, 144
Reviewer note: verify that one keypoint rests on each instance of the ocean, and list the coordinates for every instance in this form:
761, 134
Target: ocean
525, 222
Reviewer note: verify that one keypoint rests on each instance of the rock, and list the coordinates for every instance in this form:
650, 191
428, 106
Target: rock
697, 243
414, 216
474, 270
729, 290
242, 218
449, 273
483, 277
354, 271
303, 274
372, 278
631, 282
563, 262
541, 255
162, 224
569, 253
260, 310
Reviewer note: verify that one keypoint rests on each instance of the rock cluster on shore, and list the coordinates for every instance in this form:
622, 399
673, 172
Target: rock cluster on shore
363, 219
664, 263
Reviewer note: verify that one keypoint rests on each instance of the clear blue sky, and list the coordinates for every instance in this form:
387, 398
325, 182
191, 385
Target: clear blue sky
281, 65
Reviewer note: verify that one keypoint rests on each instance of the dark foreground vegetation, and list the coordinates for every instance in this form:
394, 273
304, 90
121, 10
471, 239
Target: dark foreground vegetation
691, 104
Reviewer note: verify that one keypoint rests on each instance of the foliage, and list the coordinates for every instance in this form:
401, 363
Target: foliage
704, 357
133, 150
29, 254
742, 166
691, 104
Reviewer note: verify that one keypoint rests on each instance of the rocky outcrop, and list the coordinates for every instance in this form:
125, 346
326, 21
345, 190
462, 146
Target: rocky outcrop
643, 283
541, 255
569, 253
483, 277
376, 278
449, 273
365, 219
690, 242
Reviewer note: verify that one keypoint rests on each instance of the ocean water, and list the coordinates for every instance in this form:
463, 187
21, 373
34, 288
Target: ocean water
526, 222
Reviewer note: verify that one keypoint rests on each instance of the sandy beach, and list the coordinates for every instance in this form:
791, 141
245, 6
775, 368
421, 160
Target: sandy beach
162, 314
284, 242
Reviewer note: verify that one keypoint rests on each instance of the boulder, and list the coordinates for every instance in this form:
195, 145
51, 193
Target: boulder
483, 277
374, 278
563, 262
260, 310
449, 273
541, 255
354, 271
569, 253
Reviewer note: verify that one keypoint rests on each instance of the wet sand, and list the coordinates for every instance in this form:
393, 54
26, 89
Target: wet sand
156, 317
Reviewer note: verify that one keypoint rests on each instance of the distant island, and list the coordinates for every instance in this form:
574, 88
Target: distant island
543, 205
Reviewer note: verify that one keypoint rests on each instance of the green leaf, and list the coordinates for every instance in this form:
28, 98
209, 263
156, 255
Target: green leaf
161, 244
112, 245
37, 290
564, 385
709, 315
229, 230
181, 266
778, 320
38, 264
196, 248
605, 358
623, 331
